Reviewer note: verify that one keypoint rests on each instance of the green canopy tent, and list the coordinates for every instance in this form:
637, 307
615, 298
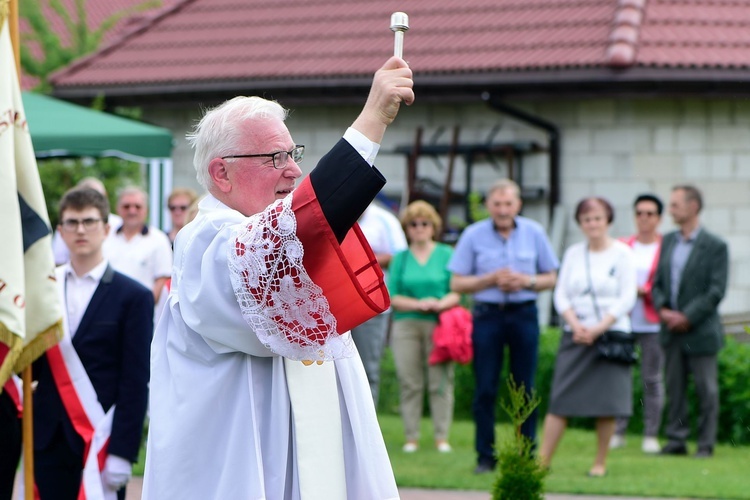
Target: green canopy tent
62, 129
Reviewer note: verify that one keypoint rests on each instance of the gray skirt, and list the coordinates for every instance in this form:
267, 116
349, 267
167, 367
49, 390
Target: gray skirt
585, 385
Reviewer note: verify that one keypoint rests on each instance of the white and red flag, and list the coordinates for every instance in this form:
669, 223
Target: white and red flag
30, 311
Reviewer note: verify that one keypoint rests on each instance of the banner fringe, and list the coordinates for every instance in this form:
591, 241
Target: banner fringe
38, 346
20, 356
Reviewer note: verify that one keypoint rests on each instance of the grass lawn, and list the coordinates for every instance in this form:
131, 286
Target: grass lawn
631, 472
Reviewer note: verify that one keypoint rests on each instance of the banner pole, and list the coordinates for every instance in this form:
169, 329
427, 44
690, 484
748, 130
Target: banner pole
15, 39
28, 416
28, 435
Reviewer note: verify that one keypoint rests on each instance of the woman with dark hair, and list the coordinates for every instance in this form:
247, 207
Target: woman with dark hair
596, 289
419, 284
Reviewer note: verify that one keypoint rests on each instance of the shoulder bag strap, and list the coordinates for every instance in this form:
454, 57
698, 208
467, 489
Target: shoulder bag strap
591, 286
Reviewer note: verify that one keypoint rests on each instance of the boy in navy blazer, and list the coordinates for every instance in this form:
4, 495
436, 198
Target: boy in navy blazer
109, 319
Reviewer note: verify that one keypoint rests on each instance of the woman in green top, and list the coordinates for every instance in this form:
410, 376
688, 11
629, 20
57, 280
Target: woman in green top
419, 285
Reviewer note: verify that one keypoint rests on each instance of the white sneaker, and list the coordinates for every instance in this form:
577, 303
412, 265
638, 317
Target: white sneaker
650, 445
410, 448
444, 447
616, 441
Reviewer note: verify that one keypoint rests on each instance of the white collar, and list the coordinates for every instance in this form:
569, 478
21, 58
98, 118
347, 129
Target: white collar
96, 273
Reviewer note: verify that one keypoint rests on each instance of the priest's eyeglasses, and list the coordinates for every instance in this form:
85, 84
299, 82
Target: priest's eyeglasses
280, 158
71, 225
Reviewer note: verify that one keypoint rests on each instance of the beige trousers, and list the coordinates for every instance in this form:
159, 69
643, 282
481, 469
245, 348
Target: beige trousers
411, 342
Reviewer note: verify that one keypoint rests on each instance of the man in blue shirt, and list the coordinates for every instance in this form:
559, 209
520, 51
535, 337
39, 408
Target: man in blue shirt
503, 261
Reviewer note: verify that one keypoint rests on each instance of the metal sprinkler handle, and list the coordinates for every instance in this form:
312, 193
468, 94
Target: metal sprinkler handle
399, 26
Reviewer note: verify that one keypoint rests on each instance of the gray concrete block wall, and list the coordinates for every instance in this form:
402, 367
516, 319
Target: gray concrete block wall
616, 148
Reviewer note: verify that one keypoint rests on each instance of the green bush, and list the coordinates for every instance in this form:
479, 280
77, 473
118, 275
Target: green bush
734, 396
734, 368
520, 475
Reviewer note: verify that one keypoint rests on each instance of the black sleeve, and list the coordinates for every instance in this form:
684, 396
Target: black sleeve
344, 184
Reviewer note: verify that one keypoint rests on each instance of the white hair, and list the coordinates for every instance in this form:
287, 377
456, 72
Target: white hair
93, 183
220, 130
503, 185
130, 189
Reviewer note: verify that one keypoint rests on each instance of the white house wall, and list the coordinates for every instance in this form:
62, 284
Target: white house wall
616, 148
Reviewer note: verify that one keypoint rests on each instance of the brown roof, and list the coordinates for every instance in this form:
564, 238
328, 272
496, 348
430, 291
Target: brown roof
210, 45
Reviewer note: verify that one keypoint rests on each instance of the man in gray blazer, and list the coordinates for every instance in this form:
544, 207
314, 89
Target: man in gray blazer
690, 282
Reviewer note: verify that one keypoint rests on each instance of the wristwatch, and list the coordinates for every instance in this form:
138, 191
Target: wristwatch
532, 282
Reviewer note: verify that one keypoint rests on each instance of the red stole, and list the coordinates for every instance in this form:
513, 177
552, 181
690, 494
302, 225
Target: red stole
349, 274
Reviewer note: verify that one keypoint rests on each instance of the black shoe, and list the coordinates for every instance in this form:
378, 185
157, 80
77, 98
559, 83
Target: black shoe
483, 468
673, 448
704, 452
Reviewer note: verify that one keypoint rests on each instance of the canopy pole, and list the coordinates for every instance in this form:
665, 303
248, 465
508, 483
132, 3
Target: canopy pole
15, 39
154, 193
167, 180
28, 436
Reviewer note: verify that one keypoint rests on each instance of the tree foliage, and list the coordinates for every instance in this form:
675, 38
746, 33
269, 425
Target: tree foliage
521, 475
83, 38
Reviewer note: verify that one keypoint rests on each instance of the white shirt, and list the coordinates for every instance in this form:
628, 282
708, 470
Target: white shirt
144, 257
78, 293
382, 230
613, 278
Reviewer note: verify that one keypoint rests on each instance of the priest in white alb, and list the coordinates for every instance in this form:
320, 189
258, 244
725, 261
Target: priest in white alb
257, 390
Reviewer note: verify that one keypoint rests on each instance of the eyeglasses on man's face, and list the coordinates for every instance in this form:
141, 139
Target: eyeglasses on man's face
280, 158
181, 208
72, 225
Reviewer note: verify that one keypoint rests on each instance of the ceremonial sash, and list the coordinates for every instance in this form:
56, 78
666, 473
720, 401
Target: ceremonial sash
86, 415
83, 409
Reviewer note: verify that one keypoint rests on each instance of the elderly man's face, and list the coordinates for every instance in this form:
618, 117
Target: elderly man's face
255, 183
503, 206
133, 210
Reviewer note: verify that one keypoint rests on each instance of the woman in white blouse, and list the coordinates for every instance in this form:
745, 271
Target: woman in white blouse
596, 289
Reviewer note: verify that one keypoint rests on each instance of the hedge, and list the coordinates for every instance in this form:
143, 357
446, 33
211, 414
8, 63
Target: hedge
734, 386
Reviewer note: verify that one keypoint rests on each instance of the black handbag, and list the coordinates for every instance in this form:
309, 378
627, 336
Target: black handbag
617, 346
612, 345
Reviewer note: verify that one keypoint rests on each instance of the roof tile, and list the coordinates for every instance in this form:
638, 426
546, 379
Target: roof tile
217, 40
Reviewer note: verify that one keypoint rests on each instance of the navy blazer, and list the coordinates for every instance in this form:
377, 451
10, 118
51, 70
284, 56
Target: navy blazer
113, 342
